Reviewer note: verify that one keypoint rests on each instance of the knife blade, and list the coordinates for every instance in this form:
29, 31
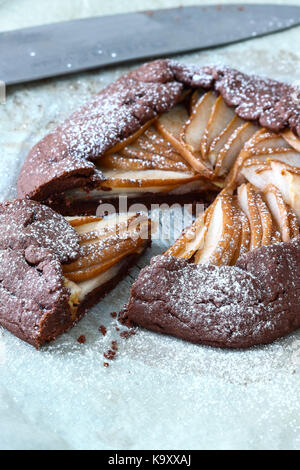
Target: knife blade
73, 46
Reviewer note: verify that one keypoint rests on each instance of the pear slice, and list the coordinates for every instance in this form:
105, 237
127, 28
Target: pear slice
245, 238
219, 142
195, 127
123, 143
149, 162
221, 115
94, 271
287, 156
268, 140
247, 201
280, 211
86, 219
109, 226
173, 121
222, 236
292, 139
233, 147
266, 220
146, 178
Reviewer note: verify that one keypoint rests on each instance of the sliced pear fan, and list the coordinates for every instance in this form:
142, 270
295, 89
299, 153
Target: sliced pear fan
280, 212
247, 201
221, 116
223, 234
105, 242
170, 126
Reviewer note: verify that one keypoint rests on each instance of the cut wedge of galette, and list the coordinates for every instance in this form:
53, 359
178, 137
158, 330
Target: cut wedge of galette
52, 269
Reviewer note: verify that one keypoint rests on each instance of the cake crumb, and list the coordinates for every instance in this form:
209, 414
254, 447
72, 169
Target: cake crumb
102, 329
81, 339
113, 314
110, 354
106, 364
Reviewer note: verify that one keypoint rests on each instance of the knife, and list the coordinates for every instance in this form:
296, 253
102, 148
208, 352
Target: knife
85, 44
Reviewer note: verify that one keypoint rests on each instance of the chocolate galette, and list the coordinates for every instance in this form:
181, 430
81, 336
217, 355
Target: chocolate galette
173, 132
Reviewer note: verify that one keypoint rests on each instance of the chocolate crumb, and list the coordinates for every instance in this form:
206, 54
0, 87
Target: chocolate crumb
102, 329
113, 314
81, 339
126, 334
114, 345
106, 364
110, 354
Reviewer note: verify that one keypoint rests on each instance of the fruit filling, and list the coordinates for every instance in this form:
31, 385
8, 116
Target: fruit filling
105, 243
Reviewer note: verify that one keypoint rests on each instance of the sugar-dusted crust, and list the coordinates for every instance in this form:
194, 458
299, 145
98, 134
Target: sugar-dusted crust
65, 158
254, 302
25, 223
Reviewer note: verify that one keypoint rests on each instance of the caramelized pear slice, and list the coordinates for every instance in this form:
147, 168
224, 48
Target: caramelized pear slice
107, 227
247, 201
123, 143
173, 121
233, 147
146, 178
291, 139
280, 211
221, 115
220, 141
195, 127
222, 236
149, 162
266, 220
265, 139
245, 238
77, 221
94, 271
